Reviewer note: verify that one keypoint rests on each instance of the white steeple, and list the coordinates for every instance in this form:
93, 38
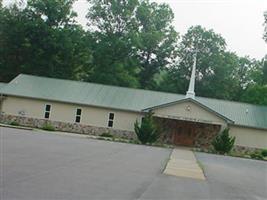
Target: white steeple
191, 89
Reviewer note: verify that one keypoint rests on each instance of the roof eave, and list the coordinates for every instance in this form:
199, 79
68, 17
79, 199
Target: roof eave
72, 102
247, 126
229, 121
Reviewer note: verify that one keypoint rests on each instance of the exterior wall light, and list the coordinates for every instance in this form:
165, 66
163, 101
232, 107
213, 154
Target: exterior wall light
188, 108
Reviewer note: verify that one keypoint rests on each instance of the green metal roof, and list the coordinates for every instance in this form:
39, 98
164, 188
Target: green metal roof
126, 98
2, 85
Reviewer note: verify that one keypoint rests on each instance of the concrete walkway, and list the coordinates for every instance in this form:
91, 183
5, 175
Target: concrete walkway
183, 163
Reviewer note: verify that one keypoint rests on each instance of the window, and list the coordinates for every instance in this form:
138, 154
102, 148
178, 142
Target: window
111, 116
47, 111
78, 115
110, 123
110, 119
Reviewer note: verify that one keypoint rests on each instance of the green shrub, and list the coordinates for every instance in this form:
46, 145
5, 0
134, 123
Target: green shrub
147, 132
14, 123
101, 138
257, 155
132, 141
223, 143
106, 135
48, 127
264, 152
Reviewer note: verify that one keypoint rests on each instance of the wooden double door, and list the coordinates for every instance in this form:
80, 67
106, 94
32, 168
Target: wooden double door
184, 134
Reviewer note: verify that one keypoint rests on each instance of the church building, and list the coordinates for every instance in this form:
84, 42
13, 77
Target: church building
90, 108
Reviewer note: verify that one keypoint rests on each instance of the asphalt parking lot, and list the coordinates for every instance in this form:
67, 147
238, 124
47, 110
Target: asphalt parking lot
42, 165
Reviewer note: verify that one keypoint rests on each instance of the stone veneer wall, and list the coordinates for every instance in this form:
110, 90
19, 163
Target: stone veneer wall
245, 150
66, 127
203, 138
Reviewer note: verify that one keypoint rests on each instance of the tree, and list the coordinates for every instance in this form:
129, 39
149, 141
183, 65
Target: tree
255, 94
247, 72
220, 73
265, 28
62, 45
147, 132
223, 143
111, 24
133, 40
55, 13
264, 70
215, 66
129, 43
157, 40
13, 42
253, 88
42, 39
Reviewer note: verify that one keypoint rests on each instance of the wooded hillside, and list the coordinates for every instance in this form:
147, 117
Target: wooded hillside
128, 43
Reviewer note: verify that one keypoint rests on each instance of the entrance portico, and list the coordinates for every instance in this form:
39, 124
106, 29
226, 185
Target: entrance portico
187, 133
188, 123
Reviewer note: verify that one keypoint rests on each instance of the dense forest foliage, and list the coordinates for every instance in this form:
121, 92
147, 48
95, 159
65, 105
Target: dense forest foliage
128, 43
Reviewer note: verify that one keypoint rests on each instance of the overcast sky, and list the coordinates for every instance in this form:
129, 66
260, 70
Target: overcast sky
240, 22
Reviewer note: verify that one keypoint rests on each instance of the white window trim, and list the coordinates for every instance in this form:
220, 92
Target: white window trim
47, 111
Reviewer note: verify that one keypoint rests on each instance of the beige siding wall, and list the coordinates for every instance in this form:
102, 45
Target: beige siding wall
66, 113
196, 113
249, 137
123, 120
